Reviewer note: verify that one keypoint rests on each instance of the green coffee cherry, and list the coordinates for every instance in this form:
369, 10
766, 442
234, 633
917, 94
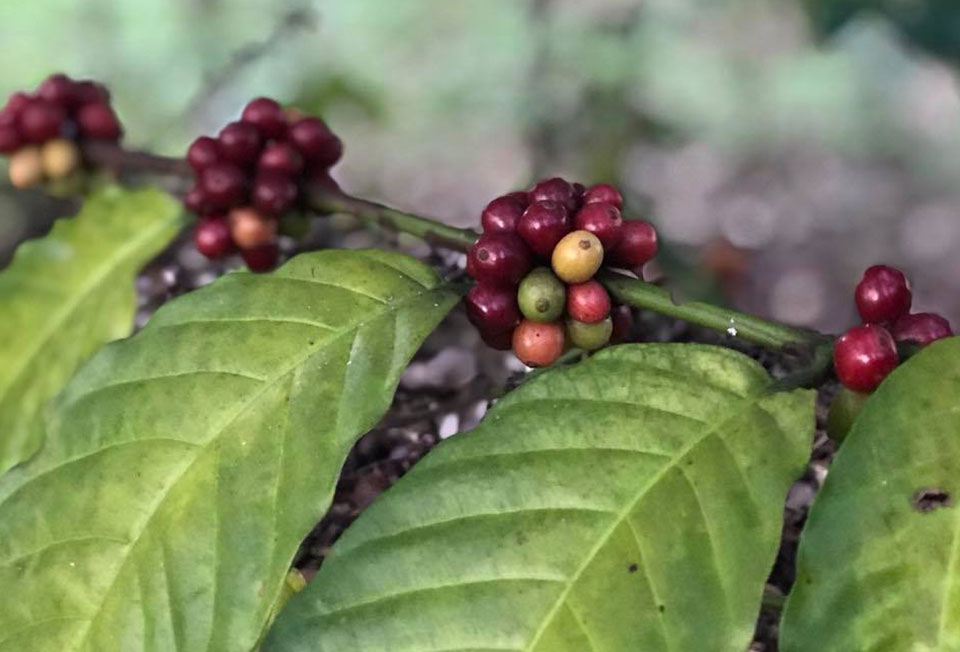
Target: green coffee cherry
843, 412
541, 295
589, 336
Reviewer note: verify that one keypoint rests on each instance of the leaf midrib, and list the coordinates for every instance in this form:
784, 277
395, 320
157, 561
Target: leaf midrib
751, 401
54, 324
247, 404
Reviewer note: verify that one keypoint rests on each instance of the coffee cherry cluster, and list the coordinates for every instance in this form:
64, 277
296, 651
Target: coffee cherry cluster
252, 174
39, 131
534, 267
865, 355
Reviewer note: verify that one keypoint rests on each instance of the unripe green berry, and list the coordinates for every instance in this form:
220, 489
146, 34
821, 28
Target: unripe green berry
541, 295
843, 412
589, 337
577, 257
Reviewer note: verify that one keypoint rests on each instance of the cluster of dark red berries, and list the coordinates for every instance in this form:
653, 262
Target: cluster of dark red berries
252, 174
865, 355
534, 267
39, 130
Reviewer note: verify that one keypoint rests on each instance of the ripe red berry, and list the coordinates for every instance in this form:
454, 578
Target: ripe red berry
558, 190
262, 258
240, 143
588, 302
282, 158
41, 120
88, 91
316, 142
638, 244
202, 153
59, 89
266, 115
921, 328
499, 259
521, 196
9, 139
622, 317
224, 184
196, 201
320, 178
603, 193
501, 215
273, 194
543, 225
864, 356
97, 120
10, 113
212, 238
498, 340
538, 344
492, 308
883, 295
603, 221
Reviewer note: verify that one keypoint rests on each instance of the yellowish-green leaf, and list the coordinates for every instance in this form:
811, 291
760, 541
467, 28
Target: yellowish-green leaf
66, 295
879, 560
630, 502
184, 466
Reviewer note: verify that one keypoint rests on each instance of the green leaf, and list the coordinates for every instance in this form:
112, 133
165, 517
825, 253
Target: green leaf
184, 466
630, 502
879, 560
66, 295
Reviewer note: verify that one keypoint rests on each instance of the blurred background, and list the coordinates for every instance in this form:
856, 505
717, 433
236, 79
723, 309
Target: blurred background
780, 147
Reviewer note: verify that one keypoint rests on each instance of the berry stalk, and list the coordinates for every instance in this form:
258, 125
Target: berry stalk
737, 324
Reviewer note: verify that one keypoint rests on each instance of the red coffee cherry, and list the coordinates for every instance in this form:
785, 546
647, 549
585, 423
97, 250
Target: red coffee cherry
224, 185
10, 113
557, 190
521, 196
88, 92
212, 238
282, 158
98, 121
538, 344
240, 143
603, 193
588, 302
638, 245
492, 308
622, 317
273, 194
542, 225
603, 221
267, 116
882, 295
9, 139
262, 258
921, 328
499, 259
59, 89
498, 340
41, 120
202, 153
501, 215
864, 356
196, 201
316, 142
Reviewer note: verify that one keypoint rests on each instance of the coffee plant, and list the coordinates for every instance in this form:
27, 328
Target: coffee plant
626, 496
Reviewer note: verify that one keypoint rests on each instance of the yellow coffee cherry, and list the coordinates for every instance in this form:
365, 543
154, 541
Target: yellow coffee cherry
60, 158
26, 167
577, 257
249, 229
